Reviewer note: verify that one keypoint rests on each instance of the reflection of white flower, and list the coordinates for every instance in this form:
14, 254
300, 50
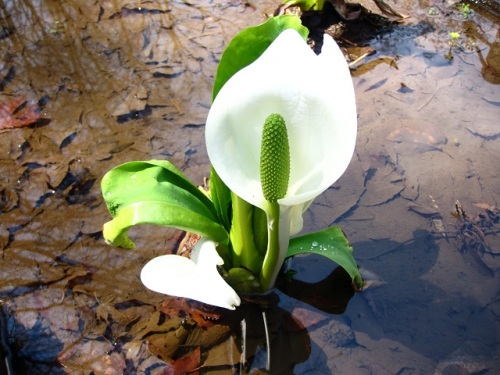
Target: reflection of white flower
315, 96
196, 278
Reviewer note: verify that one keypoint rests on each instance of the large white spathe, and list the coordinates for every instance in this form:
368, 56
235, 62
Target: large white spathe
315, 96
196, 278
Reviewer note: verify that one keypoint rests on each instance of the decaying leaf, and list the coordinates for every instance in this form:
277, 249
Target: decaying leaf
376, 8
388, 10
424, 133
165, 345
470, 235
208, 338
485, 206
179, 307
187, 364
17, 113
425, 211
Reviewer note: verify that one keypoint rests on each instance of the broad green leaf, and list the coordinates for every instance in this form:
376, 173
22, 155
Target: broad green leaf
160, 213
330, 243
155, 192
250, 43
151, 180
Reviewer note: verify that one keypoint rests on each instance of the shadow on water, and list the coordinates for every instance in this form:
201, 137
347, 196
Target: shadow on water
34, 349
404, 317
415, 312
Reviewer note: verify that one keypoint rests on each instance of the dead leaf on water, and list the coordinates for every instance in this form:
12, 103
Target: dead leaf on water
425, 133
424, 211
485, 206
207, 338
438, 223
417, 138
187, 364
370, 65
17, 113
203, 315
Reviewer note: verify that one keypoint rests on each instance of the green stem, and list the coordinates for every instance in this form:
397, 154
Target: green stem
245, 254
260, 230
271, 260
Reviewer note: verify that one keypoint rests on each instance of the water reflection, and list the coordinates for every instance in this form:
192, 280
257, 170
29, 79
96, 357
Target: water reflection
491, 62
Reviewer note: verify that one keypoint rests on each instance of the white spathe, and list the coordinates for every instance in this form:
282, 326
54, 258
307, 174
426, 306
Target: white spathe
195, 278
315, 96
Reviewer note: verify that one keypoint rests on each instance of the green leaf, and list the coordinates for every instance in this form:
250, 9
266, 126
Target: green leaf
250, 43
155, 192
331, 243
221, 198
160, 213
243, 281
150, 180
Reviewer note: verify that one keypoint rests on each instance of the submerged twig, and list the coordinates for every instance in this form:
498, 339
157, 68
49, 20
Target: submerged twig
268, 344
243, 324
360, 58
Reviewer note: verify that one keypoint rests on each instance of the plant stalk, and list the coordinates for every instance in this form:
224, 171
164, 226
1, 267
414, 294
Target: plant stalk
245, 254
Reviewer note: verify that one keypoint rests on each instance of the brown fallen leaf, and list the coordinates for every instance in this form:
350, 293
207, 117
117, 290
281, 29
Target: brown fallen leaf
484, 206
179, 307
424, 133
16, 113
424, 211
187, 364
388, 10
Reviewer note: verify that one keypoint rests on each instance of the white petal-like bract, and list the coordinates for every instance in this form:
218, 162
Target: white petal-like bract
315, 96
196, 278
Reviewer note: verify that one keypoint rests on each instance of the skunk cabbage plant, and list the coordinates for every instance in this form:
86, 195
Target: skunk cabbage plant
281, 130
317, 109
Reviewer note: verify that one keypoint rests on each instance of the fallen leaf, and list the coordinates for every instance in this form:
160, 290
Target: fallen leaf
484, 206
424, 133
187, 364
16, 113
179, 307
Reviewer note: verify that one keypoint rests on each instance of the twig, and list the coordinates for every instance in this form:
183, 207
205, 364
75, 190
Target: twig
243, 345
268, 346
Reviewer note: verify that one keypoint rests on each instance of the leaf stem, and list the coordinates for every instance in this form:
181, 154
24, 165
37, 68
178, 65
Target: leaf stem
260, 230
245, 254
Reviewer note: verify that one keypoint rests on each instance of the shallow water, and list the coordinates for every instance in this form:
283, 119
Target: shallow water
120, 81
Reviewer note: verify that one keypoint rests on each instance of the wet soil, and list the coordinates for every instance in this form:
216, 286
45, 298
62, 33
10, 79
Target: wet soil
117, 81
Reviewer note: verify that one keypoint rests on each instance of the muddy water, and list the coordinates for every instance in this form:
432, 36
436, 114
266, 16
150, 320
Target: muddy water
119, 81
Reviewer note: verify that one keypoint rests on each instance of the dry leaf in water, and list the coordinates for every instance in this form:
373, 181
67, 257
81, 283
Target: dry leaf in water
16, 113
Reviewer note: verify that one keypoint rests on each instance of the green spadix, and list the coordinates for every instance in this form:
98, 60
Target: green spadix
274, 158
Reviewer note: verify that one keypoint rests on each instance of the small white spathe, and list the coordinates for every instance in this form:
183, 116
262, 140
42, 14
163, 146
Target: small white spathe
196, 278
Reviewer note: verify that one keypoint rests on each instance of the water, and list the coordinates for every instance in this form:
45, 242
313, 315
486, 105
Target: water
118, 82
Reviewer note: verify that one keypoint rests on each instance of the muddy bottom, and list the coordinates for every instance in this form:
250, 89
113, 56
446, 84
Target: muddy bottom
88, 85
